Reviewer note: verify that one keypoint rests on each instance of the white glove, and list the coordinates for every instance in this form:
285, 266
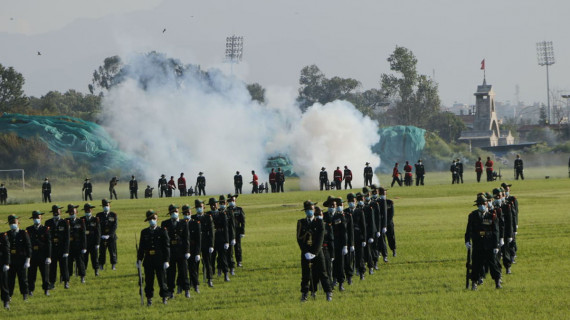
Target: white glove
233, 242
384, 230
27, 263
105, 237
242, 235
364, 244
377, 234
332, 259
5, 268
96, 247
210, 249
197, 258
467, 245
139, 263
309, 256
517, 226
166, 265
226, 246
65, 255
48, 260
83, 251
515, 233
351, 248
344, 250
509, 240
501, 242
186, 256
370, 240
496, 250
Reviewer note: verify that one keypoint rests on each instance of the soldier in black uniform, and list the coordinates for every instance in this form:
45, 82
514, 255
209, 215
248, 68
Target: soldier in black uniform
201, 184
280, 179
46, 190
459, 167
108, 221
20, 256
482, 235
519, 167
87, 189
112, 185
370, 219
239, 217
453, 170
3, 194
506, 225
153, 255
310, 237
77, 242
40, 239
348, 216
162, 186
381, 226
133, 188
93, 235
420, 173
148, 192
207, 241
221, 238
179, 253
324, 179
59, 229
514, 206
328, 242
195, 240
238, 182
368, 174
4, 267
231, 233
360, 235
387, 210
339, 226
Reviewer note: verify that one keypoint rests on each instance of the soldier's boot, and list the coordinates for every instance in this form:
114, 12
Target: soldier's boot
232, 272
394, 253
31, 293
340, 287
114, 267
333, 284
371, 270
385, 259
7, 305
480, 281
474, 286
226, 277
349, 280
239, 264
498, 284
148, 302
25, 297
509, 270
362, 276
197, 289
187, 295
164, 300
210, 284
101, 267
97, 272
47, 293
375, 265
329, 296
66, 285
82, 279
304, 297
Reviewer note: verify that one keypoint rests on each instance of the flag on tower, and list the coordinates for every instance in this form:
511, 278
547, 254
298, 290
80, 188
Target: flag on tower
483, 64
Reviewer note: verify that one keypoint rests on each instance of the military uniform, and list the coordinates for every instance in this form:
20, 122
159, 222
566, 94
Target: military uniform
479, 169
349, 258
59, 229
40, 239
3, 194
420, 173
337, 178
221, 239
368, 174
154, 252
133, 188
396, 176
347, 178
370, 219
4, 264
324, 179
162, 186
273, 180
519, 168
408, 174
201, 184
20, 257
87, 190
207, 241
46, 191
280, 180
339, 226
77, 242
195, 239
182, 185
489, 169
179, 252
93, 235
387, 208
238, 182
112, 185
381, 221
328, 243
453, 170
108, 221
514, 206
231, 234
360, 236
239, 218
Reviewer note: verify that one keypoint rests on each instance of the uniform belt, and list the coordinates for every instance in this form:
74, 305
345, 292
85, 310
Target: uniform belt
36, 248
173, 242
55, 240
325, 245
151, 252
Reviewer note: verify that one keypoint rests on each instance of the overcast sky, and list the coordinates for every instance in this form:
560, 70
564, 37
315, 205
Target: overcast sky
343, 38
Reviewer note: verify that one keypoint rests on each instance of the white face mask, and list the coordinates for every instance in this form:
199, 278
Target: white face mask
331, 210
498, 203
360, 203
351, 205
232, 204
187, 217
106, 209
37, 221
481, 208
13, 226
339, 209
223, 206
383, 197
174, 215
320, 217
88, 214
152, 223
200, 210
72, 216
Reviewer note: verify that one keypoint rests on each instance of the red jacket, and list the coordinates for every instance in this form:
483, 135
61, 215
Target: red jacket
395, 172
489, 165
181, 183
337, 175
347, 175
254, 181
408, 169
272, 177
171, 184
478, 166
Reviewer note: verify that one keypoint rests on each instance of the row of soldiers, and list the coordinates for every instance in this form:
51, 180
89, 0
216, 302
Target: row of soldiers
339, 242
172, 252
67, 242
490, 236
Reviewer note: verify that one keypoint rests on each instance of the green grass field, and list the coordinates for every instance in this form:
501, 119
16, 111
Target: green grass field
425, 281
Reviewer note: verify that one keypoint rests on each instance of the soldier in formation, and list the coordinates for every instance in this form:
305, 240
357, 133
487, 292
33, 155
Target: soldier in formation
207, 240
195, 240
20, 257
368, 174
93, 236
87, 189
4, 267
239, 219
77, 242
108, 220
59, 233
40, 239
179, 253
3, 194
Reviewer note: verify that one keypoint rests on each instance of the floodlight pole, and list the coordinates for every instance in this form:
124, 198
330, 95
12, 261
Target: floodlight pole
567, 97
234, 50
545, 54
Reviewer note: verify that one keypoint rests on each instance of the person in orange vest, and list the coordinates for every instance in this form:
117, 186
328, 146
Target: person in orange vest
396, 175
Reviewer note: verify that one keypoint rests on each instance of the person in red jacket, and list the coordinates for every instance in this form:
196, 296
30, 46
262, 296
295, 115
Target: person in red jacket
479, 169
254, 182
171, 186
396, 175
337, 176
182, 185
273, 180
408, 174
489, 169
347, 177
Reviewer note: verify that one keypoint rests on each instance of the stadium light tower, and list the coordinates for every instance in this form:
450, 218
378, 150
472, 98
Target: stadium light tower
545, 54
234, 50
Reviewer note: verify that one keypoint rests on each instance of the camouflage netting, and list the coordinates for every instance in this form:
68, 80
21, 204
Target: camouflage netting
282, 162
398, 144
86, 141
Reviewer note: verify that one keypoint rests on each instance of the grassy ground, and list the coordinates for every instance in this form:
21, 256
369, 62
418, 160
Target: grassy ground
425, 281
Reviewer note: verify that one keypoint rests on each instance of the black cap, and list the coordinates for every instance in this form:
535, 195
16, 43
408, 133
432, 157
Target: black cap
105, 202
36, 214
12, 218
480, 200
222, 198
150, 214
70, 208
373, 187
350, 197
365, 190
88, 206
381, 190
55, 207
232, 196
338, 201
198, 203
505, 185
185, 208
172, 207
308, 204
323, 168
212, 201
329, 201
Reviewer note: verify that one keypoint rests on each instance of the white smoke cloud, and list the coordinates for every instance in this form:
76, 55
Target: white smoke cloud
188, 125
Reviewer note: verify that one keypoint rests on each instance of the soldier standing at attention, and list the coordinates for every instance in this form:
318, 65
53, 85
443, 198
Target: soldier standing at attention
368, 174
479, 169
201, 184
59, 229
381, 226
207, 241
238, 182
324, 179
340, 243
514, 205
87, 189
195, 239
41, 253
153, 255
179, 253
459, 166
370, 229
182, 185
171, 187
93, 234
482, 235
337, 178
77, 242
453, 170
239, 217
280, 180
133, 188
489, 169
420, 173
112, 185
360, 238
3, 194
347, 177
4, 267
46, 190
408, 174
221, 238
163, 186
108, 220
349, 258
310, 237
387, 208
273, 180
328, 242
20, 256
519, 167
396, 176
231, 233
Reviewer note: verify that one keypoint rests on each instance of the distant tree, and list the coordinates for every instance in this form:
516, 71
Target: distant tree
315, 87
104, 76
12, 98
71, 103
542, 119
417, 97
447, 125
257, 92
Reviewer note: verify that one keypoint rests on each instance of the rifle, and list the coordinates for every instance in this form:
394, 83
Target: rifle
140, 273
468, 266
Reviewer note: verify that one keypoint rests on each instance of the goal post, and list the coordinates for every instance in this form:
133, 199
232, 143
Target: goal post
23, 176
